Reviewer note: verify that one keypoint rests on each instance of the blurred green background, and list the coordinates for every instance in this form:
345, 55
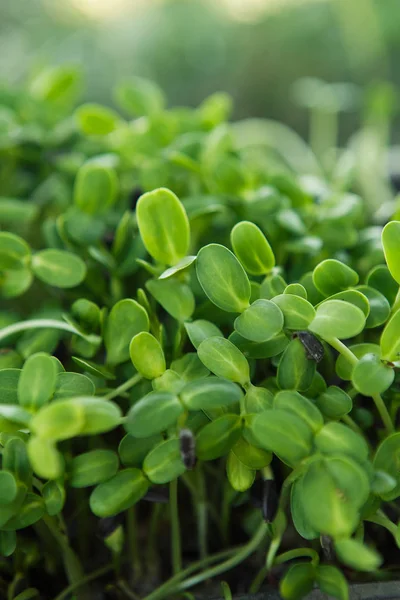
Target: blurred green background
253, 49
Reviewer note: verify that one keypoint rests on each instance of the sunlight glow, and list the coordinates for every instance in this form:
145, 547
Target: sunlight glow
101, 10
253, 10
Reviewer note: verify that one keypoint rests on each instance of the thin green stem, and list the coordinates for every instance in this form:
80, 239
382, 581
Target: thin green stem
343, 350
377, 398
258, 580
163, 590
298, 553
87, 579
175, 528
352, 424
228, 564
152, 558
123, 586
202, 511
381, 519
124, 386
72, 565
384, 413
44, 324
133, 543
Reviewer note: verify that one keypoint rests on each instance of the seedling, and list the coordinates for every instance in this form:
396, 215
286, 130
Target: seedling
168, 345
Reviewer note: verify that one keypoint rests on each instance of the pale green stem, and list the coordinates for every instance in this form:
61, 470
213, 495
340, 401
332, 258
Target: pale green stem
124, 387
72, 565
43, 324
87, 579
381, 519
352, 424
175, 528
239, 557
133, 542
379, 403
298, 553
163, 590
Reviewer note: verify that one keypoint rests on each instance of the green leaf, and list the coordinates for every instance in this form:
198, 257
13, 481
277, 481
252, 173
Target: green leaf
257, 399
100, 415
268, 349
15, 460
252, 248
336, 438
201, 330
94, 119
14, 251
334, 403
297, 312
9, 359
174, 296
391, 248
344, 368
331, 581
240, 477
8, 487
190, 367
209, 393
169, 381
223, 278
45, 459
58, 421
251, 456
93, 368
297, 582
31, 511
301, 406
217, 438
300, 522
127, 318
390, 339
59, 268
53, 494
118, 493
356, 555
73, 384
354, 297
139, 97
260, 322
15, 283
331, 276
8, 543
182, 265
379, 306
12, 417
272, 286
283, 433
332, 492
163, 225
9, 379
96, 188
337, 319
380, 279
164, 462
147, 355
152, 414
87, 313
372, 376
223, 359
37, 382
296, 289
93, 467
132, 451
295, 370
387, 458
